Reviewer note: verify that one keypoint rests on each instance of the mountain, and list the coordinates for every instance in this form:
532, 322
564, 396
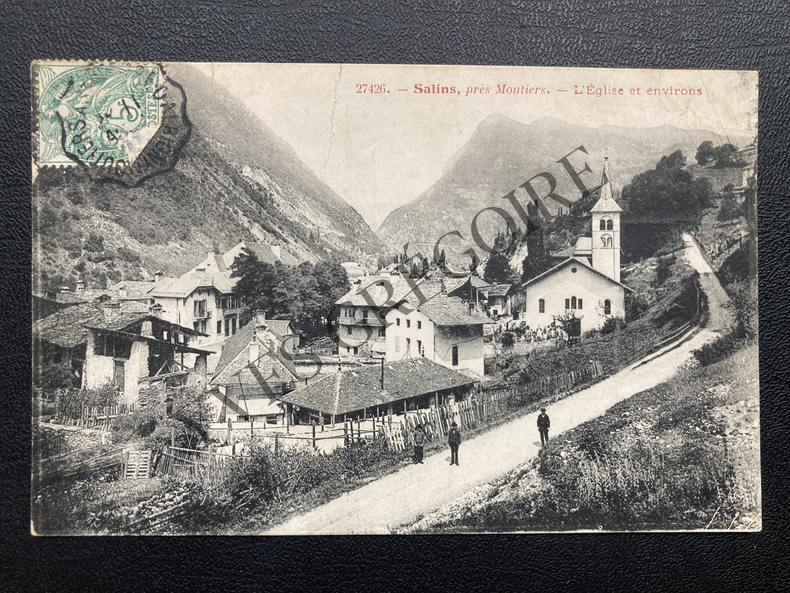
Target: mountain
503, 153
235, 180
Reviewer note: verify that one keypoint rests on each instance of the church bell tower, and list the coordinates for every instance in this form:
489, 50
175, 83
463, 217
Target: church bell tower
606, 230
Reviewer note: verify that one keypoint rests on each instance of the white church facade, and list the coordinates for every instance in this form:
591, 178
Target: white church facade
587, 284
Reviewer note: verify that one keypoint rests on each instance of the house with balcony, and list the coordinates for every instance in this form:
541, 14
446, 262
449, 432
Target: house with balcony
360, 314
132, 349
200, 300
494, 299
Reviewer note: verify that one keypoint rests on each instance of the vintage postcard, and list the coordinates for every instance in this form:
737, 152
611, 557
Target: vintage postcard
356, 299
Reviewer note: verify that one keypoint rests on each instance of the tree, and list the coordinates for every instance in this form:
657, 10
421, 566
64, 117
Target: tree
306, 293
498, 268
705, 153
667, 192
727, 156
536, 261
474, 264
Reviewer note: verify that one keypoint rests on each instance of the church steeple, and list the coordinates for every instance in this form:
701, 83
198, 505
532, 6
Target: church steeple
606, 229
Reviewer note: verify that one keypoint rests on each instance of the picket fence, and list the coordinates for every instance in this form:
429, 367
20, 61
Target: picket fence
481, 407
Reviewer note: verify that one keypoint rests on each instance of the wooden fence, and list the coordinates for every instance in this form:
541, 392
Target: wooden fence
98, 417
191, 464
481, 407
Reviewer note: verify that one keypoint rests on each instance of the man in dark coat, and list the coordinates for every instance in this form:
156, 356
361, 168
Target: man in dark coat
543, 427
454, 439
419, 443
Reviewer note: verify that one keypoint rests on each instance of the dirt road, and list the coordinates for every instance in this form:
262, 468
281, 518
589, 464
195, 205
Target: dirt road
401, 497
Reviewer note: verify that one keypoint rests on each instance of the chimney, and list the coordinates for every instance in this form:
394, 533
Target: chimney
255, 349
80, 285
112, 311
158, 275
259, 319
155, 310
276, 251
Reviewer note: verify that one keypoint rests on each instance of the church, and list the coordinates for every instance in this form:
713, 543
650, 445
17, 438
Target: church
586, 285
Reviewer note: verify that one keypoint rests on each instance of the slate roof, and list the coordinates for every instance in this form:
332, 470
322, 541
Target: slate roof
134, 289
499, 290
279, 327
185, 285
82, 296
606, 202
67, 329
446, 310
376, 291
238, 344
352, 390
265, 254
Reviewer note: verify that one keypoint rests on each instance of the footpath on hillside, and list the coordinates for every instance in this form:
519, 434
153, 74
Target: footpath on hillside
402, 497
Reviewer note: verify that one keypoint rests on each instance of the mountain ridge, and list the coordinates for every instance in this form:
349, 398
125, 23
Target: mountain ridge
503, 153
235, 180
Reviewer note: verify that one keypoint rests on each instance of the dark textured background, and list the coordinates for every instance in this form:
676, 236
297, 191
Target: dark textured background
613, 33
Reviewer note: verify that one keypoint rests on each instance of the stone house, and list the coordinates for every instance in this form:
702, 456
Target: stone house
62, 338
134, 348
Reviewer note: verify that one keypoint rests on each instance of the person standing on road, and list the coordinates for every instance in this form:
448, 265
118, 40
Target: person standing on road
419, 443
543, 427
454, 440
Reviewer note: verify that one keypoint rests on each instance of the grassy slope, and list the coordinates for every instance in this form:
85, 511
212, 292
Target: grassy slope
683, 455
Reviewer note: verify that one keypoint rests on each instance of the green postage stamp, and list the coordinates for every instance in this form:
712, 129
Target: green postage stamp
120, 120
100, 114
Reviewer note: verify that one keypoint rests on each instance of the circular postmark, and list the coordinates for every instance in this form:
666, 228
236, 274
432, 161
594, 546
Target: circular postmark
122, 122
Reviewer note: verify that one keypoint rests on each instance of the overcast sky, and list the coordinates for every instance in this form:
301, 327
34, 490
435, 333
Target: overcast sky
379, 151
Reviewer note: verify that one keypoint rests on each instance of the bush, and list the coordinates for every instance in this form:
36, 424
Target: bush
719, 349
94, 243
128, 255
729, 209
609, 326
182, 416
507, 340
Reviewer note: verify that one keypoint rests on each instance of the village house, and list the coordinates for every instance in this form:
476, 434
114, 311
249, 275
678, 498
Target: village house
493, 299
586, 285
200, 300
216, 263
254, 370
132, 348
62, 337
377, 390
441, 328
360, 314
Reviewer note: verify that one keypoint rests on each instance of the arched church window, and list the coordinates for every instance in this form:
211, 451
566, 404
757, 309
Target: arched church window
573, 302
609, 225
567, 303
579, 303
541, 306
607, 307
603, 224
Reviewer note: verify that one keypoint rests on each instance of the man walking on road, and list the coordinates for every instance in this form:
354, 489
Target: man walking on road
543, 427
419, 443
454, 439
